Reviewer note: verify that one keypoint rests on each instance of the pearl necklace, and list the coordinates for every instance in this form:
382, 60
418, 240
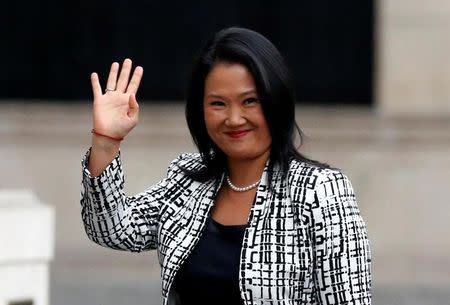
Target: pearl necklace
244, 188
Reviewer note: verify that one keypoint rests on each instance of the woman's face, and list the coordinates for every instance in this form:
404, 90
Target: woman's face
233, 115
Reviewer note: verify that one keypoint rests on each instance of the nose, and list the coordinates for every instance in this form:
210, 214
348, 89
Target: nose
235, 117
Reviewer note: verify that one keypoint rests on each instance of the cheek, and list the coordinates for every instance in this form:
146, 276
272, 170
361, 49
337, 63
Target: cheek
208, 121
212, 118
207, 117
267, 136
263, 127
212, 123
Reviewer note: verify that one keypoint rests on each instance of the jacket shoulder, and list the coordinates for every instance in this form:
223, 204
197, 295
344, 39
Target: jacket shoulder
187, 161
311, 177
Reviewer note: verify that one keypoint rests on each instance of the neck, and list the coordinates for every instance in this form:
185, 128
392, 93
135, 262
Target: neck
243, 172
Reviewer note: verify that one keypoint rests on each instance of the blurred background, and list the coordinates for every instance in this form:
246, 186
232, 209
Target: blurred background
373, 91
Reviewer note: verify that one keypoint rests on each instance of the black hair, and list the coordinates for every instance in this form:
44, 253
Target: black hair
275, 91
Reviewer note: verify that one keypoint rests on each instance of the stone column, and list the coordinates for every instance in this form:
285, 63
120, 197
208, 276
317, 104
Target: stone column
413, 58
26, 248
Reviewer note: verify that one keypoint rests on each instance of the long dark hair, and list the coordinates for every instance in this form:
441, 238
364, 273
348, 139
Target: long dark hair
275, 91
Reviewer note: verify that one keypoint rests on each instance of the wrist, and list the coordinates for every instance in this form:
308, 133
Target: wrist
101, 134
105, 144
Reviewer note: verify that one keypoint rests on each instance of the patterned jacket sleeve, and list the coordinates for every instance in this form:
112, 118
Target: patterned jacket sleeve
114, 220
341, 247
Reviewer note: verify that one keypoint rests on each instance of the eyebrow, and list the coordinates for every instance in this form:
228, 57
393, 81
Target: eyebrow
241, 94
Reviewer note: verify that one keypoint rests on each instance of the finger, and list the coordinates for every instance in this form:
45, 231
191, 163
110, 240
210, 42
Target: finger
96, 88
133, 111
133, 86
124, 75
112, 77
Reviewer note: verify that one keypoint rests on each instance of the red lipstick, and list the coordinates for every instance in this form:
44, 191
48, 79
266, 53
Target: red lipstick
237, 134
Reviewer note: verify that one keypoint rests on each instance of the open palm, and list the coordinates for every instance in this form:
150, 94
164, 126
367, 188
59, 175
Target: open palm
116, 112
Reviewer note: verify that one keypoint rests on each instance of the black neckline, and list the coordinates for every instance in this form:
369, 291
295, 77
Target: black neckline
226, 226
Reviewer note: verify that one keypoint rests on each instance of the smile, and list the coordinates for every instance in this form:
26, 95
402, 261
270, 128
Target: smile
237, 134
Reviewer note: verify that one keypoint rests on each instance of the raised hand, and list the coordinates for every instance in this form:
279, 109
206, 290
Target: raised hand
116, 112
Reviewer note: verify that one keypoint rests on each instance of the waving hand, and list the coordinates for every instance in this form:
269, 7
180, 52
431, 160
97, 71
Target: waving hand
116, 112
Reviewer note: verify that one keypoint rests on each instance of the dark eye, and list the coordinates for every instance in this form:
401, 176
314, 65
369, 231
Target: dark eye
250, 100
217, 103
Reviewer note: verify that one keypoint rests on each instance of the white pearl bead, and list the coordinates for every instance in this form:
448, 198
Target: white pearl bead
244, 188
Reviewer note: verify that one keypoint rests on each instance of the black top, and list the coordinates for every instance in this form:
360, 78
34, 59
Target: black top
211, 272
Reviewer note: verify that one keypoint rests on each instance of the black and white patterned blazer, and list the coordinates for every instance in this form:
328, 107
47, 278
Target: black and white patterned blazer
305, 243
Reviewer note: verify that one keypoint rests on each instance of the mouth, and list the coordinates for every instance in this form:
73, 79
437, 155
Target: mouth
237, 134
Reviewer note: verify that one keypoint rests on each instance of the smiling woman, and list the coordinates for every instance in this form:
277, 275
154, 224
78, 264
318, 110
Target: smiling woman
233, 114
248, 219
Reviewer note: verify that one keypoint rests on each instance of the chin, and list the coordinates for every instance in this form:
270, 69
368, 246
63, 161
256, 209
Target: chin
243, 155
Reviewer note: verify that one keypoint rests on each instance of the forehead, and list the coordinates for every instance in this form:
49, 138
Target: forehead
229, 79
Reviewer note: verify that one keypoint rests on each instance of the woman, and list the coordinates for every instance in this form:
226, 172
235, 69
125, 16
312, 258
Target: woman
247, 220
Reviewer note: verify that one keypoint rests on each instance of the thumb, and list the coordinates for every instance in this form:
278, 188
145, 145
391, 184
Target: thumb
133, 111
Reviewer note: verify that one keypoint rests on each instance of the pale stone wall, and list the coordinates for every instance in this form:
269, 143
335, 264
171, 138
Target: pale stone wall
413, 58
26, 248
399, 169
